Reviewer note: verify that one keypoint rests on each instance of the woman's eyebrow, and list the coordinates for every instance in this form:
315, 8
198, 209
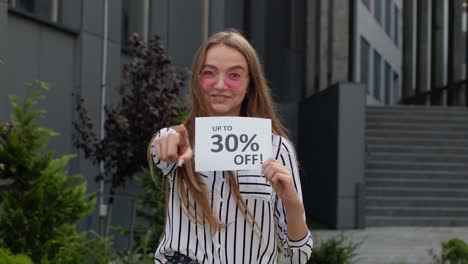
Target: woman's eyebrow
235, 67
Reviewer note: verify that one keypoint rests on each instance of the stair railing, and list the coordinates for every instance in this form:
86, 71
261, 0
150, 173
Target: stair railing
448, 95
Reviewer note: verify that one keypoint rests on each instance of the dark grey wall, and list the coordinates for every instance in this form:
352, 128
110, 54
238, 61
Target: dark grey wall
70, 13
3, 50
318, 153
351, 152
331, 149
38, 52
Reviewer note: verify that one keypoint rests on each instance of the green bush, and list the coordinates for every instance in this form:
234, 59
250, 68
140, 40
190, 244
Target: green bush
7, 258
143, 253
151, 207
454, 251
40, 203
335, 250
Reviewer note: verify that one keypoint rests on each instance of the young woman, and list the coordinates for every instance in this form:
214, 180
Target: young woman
229, 216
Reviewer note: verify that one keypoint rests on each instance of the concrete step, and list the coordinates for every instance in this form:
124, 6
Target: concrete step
417, 166
426, 134
416, 211
403, 109
435, 166
416, 221
417, 202
430, 111
415, 157
460, 120
417, 127
417, 174
411, 141
410, 149
417, 183
404, 115
417, 192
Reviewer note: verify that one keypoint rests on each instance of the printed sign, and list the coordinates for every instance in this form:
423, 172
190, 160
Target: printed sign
231, 143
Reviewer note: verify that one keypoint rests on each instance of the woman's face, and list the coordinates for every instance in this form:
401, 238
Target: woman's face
224, 80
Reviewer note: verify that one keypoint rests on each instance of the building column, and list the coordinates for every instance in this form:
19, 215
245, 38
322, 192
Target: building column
324, 49
3, 42
408, 48
437, 51
293, 85
341, 40
312, 29
258, 26
455, 46
423, 48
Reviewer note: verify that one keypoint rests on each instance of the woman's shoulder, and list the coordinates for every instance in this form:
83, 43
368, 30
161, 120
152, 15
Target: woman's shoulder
281, 144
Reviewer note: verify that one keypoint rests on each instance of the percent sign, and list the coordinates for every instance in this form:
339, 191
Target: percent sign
231, 142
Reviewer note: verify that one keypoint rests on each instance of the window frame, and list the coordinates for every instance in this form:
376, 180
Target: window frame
364, 74
377, 67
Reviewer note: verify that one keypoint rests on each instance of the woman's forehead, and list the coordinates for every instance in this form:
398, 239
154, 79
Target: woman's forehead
224, 57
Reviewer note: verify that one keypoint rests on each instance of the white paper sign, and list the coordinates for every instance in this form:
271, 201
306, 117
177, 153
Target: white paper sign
231, 143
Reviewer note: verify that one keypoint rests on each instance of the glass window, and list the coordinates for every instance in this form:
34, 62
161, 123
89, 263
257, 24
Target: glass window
45, 9
388, 17
135, 19
377, 74
125, 29
396, 26
378, 10
365, 63
387, 80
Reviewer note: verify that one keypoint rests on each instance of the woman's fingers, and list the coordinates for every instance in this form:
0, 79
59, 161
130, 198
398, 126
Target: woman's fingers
277, 175
163, 153
271, 167
173, 140
184, 141
157, 146
174, 147
184, 149
277, 178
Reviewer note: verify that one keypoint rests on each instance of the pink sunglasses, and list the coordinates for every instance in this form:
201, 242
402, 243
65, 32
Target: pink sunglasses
232, 80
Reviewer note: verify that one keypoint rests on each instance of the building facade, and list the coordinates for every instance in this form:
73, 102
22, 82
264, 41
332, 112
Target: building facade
378, 50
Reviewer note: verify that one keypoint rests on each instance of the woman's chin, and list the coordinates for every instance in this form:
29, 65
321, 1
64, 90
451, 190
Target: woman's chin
223, 110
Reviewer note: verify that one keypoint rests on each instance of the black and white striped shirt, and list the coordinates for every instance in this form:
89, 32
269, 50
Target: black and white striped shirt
236, 242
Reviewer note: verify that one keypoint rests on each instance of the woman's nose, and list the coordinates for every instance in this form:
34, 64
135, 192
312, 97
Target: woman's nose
220, 83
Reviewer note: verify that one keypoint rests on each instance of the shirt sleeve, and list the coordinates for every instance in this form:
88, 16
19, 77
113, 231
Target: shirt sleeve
166, 168
296, 251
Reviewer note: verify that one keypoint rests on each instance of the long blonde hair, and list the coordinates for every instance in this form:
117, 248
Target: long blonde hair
257, 103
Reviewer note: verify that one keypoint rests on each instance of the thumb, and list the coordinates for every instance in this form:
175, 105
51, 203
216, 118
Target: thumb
186, 156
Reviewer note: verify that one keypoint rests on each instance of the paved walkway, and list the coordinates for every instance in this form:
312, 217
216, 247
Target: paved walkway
395, 245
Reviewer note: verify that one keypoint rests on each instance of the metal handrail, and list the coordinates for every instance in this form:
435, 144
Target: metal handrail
423, 96
133, 200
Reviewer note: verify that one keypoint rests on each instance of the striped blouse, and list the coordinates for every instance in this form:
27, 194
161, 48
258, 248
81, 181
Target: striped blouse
236, 242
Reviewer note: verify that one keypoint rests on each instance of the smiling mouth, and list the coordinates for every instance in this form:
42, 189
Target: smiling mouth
217, 98
220, 96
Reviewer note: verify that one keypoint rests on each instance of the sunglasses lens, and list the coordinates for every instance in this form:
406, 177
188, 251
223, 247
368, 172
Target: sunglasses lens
208, 78
233, 83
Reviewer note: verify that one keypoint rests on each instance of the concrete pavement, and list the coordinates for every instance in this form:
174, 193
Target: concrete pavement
395, 245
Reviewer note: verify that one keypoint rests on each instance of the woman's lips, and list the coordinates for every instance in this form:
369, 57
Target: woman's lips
218, 98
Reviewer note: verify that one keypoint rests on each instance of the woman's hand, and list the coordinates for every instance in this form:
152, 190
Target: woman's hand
281, 180
174, 147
